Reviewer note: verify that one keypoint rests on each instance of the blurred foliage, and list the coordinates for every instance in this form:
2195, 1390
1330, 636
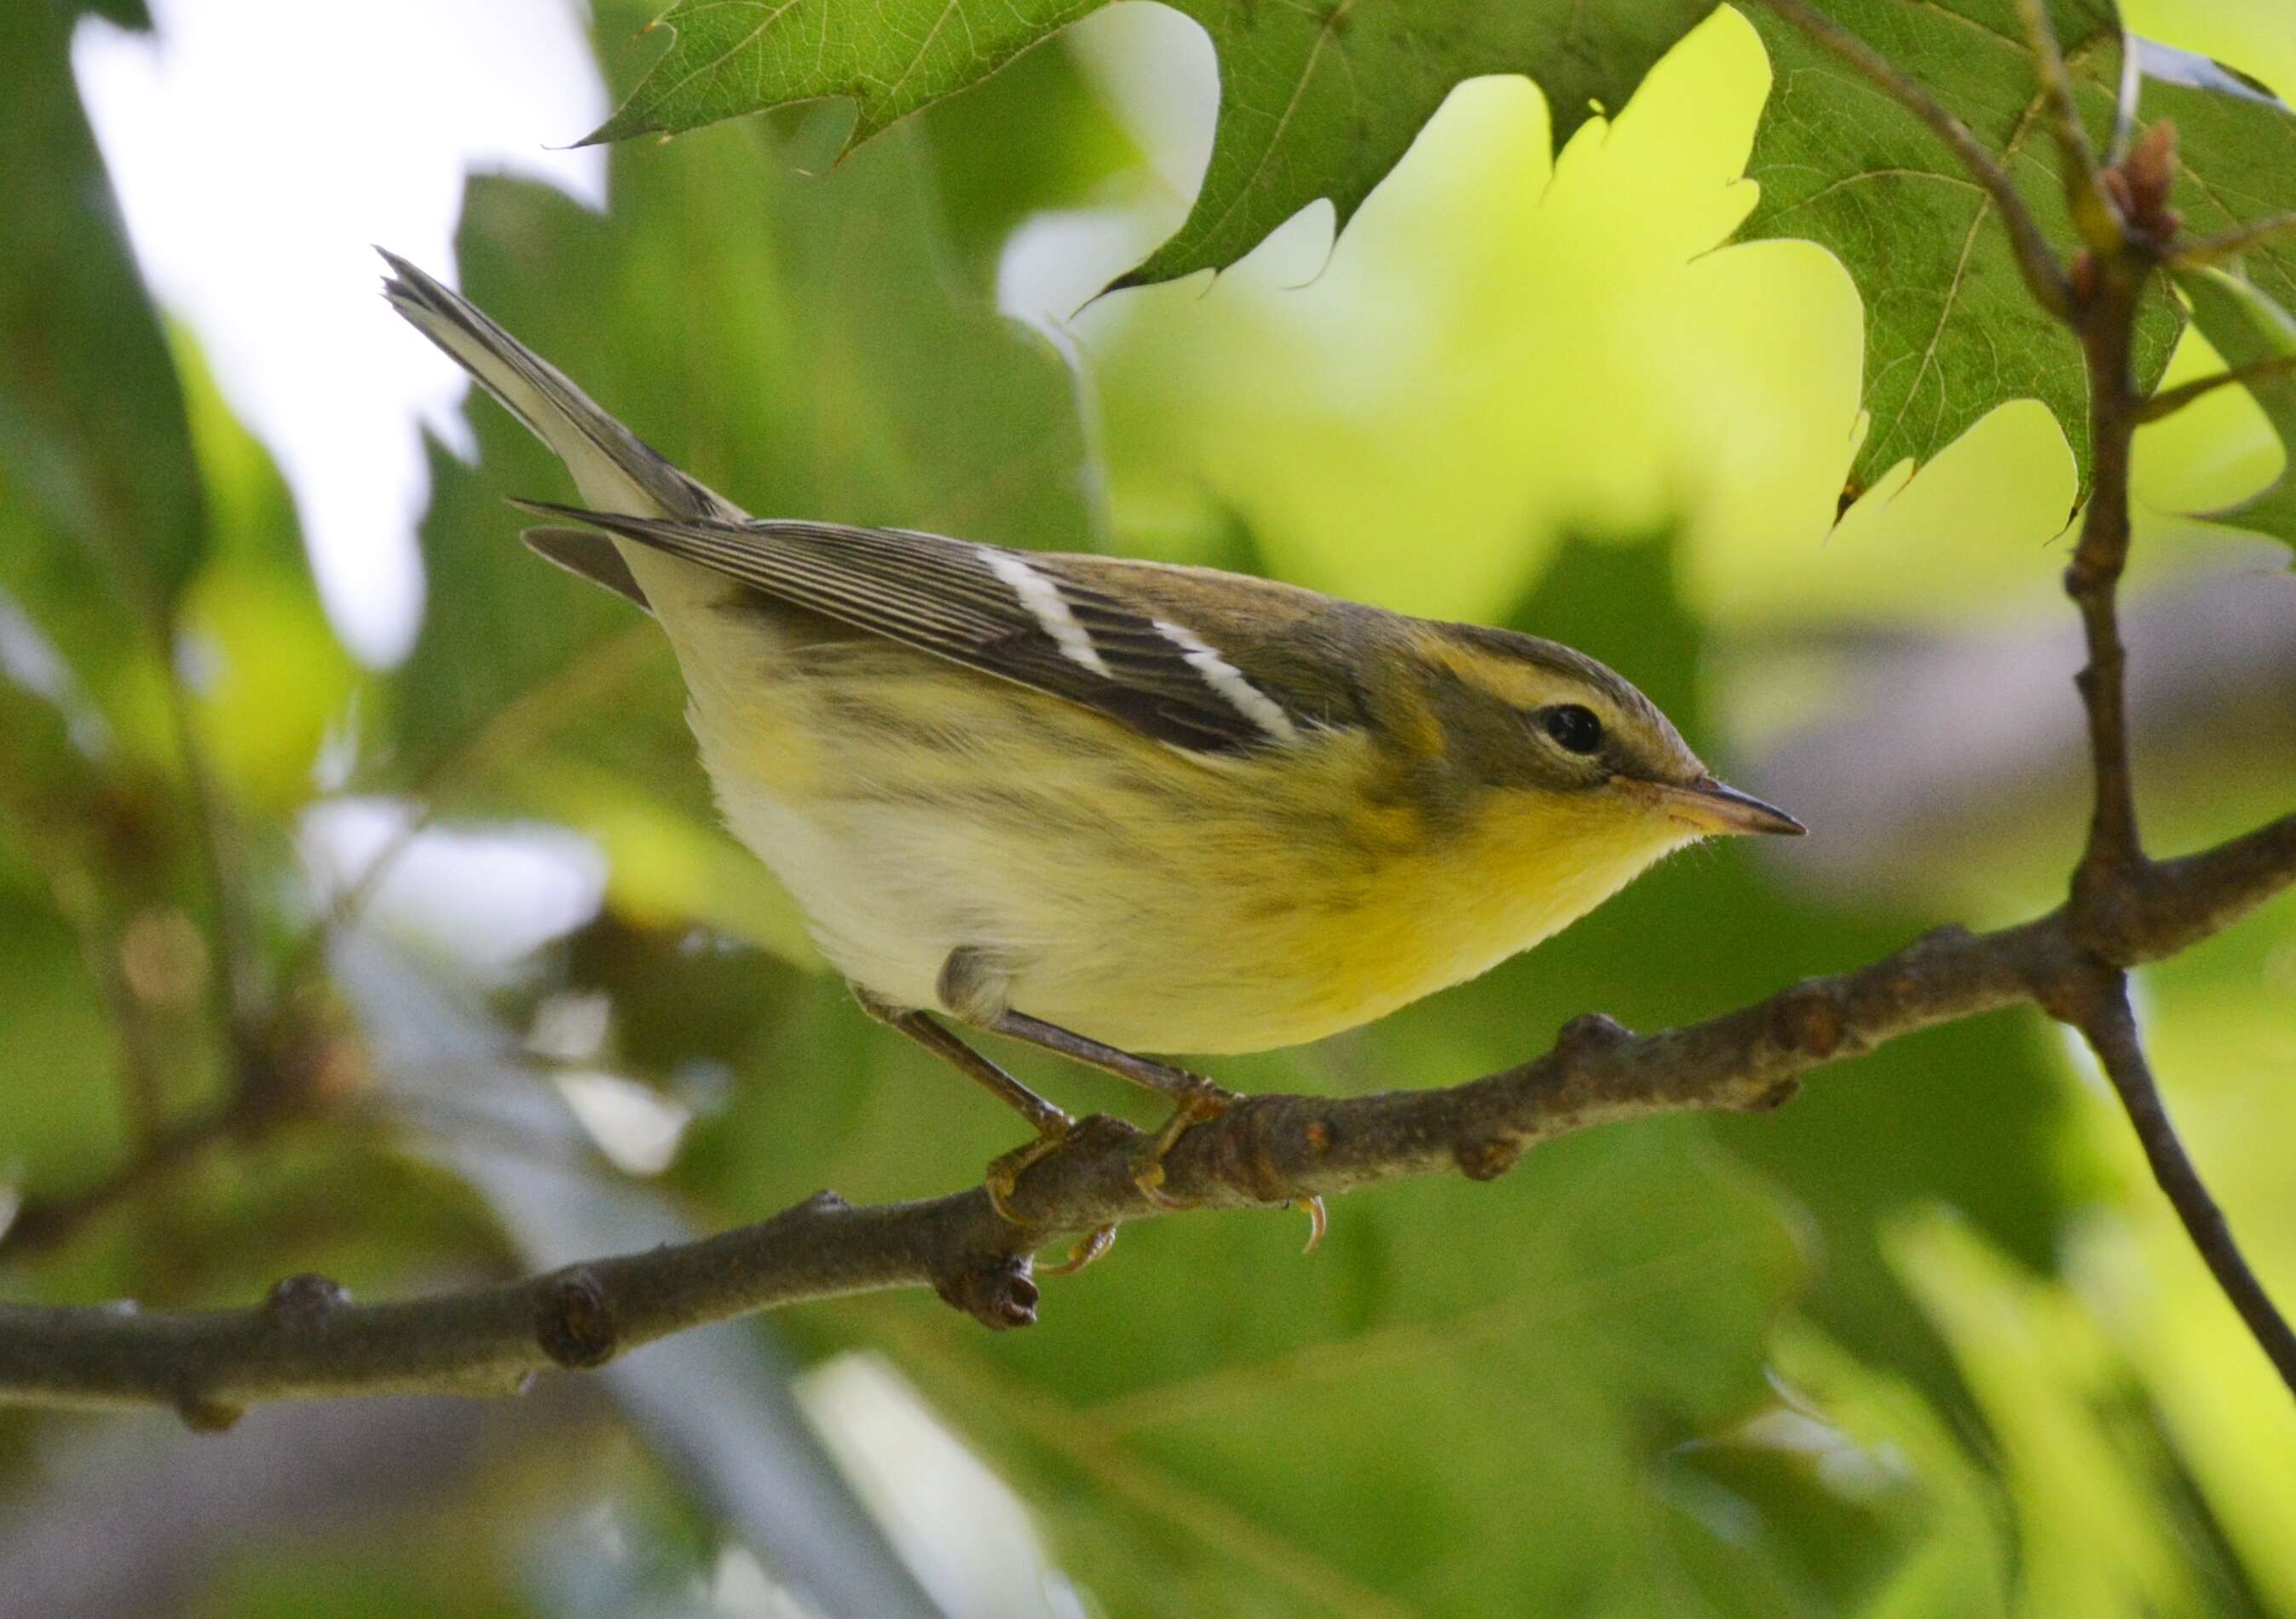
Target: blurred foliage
1924, 1344
101, 475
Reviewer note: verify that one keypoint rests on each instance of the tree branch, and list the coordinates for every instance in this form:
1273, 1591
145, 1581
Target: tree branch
2196, 251
2169, 401
2087, 197
2107, 327
308, 1341
2111, 1029
47, 1223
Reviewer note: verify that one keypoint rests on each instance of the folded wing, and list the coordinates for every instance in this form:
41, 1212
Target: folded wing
1025, 619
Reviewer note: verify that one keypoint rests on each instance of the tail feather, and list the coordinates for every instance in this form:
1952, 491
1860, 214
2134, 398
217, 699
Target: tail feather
615, 469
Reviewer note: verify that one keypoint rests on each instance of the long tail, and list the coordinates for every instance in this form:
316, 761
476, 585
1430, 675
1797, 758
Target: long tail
615, 469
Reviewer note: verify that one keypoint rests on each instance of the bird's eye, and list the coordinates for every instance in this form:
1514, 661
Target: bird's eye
1574, 727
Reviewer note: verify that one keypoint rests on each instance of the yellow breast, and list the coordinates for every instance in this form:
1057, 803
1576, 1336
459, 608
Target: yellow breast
1521, 868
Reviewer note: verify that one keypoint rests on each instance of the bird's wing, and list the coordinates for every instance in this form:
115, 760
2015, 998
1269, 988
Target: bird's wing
591, 555
1033, 621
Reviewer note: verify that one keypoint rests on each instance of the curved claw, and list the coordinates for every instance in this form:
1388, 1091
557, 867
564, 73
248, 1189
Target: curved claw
1318, 1222
1148, 1175
1092, 1245
999, 1190
1207, 1102
1004, 1172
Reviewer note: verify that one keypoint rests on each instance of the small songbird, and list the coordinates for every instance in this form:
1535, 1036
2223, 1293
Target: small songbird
1102, 806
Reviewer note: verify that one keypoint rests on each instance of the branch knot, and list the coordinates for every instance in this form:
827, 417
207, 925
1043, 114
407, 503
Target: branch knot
1489, 1158
297, 1300
575, 1322
999, 1293
1590, 1035
1806, 1020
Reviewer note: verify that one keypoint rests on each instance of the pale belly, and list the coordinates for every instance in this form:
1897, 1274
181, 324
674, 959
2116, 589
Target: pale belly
1199, 930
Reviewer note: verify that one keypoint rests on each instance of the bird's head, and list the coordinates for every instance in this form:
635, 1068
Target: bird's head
1555, 739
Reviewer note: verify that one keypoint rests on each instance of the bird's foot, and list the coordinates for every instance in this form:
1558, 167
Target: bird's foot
1318, 1222
1004, 1173
1207, 1100
1089, 1247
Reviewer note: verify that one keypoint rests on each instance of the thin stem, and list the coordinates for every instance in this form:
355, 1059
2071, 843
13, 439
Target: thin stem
2169, 401
2195, 251
2114, 855
2094, 213
350, 901
2114, 884
230, 980
2044, 277
49, 1222
2111, 1029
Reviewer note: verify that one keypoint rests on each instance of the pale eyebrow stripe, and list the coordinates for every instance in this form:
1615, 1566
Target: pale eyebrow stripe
1224, 678
1045, 604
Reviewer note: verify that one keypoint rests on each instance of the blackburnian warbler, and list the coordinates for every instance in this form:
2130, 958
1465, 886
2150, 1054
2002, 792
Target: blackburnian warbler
1104, 806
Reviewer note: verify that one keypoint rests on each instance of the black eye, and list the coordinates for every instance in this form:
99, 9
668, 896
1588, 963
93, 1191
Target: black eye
1574, 727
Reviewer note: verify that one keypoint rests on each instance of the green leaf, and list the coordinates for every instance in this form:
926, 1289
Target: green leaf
101, 530
2237, 163
1037, 136
52, 737
2103, 1526
2238, 152
2247, 328
124, 13
61, 1112
1316, 100
94, 448
1944, 1508
1320, 100
731, 57
1951, 332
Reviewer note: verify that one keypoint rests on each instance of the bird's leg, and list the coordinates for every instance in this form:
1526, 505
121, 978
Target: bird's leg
1051, 1123
1195, 1097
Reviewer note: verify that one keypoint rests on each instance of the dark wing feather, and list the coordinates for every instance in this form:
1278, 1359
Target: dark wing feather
589, 553
991, 610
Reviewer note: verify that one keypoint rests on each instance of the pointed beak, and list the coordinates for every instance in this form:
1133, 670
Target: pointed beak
1714, 809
